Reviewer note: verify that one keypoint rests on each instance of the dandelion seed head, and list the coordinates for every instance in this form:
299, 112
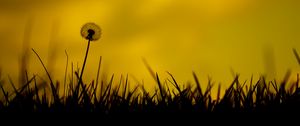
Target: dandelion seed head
91, 31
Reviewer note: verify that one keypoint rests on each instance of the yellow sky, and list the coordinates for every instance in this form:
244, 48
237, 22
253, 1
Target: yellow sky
210, 37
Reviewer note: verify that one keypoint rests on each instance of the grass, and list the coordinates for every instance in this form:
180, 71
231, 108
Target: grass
110, 97
169, 97
82, 98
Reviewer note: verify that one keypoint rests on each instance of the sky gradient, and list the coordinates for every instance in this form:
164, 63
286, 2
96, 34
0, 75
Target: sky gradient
210, 37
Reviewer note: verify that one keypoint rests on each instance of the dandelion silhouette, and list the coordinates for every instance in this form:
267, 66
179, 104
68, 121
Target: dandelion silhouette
91, 32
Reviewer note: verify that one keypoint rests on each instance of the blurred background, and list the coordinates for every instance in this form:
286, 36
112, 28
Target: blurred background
213, 38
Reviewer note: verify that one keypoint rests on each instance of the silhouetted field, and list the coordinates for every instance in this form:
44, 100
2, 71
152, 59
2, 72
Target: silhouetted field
106, 98
109, 98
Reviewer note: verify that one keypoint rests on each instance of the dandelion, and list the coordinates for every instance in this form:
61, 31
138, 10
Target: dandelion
91, 32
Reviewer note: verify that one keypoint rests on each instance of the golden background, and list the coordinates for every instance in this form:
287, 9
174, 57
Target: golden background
211, 37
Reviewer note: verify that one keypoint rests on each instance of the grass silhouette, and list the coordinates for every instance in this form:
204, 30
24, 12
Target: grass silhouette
169, 97
261, 96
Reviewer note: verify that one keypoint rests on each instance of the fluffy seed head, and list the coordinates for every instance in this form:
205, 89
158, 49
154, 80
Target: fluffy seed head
91, 31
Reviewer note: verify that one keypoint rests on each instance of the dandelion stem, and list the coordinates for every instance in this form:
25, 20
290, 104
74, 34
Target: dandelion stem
86, 54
